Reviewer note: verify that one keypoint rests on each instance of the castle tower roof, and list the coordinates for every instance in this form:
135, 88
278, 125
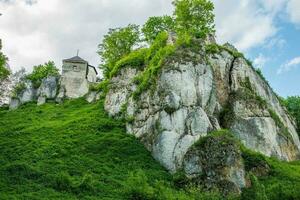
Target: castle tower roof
75, 59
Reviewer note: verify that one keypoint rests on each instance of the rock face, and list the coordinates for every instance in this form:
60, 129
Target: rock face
5, 89
7, 86
46, 91
217, 161
196, 93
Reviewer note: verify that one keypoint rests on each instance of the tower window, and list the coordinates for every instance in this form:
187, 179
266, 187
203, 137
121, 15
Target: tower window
76, 68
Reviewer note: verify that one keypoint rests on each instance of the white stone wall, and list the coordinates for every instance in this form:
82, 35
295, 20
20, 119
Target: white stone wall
74, 79
92, 76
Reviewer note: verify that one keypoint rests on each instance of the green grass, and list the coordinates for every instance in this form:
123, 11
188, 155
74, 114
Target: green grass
69, 151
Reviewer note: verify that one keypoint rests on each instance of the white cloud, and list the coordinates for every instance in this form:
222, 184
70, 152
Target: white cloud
260, 61
293, 9
275, 42
35, 31
246, 23
295, 62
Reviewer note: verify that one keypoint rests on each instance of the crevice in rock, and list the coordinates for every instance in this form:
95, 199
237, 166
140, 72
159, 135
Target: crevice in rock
230, 81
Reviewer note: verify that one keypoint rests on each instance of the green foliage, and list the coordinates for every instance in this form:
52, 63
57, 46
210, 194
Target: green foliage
100, 87
283, 129
42, 71
4, 72
148, 77
18, 88
215, 134
137, 187
256, 191
155, 25
212, 49
159, 42
194, 17
252, 159
116, 44
293, 106
135, 59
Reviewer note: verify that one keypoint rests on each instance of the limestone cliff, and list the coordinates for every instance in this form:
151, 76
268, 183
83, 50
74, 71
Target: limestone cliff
7, 86
198, 90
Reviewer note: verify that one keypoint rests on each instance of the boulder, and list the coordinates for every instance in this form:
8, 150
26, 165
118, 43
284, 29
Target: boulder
14, 103
48, 87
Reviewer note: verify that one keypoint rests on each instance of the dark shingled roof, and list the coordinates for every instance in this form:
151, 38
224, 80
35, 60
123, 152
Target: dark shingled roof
75, 59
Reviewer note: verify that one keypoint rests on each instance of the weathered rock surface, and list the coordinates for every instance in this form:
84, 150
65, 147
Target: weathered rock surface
48, 88
46, 91
7, 86
120, 89
196, 93
216, 161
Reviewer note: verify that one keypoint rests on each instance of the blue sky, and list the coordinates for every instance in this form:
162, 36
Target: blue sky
285, 82
266, 31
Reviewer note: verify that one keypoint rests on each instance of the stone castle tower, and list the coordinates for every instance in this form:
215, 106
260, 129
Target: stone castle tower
76, 76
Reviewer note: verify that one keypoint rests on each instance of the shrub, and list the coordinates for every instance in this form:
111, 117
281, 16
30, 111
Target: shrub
147, 78
256, 191
42, 71
293, 106
135, 59
212, 48
18, 89
138, 188
4, 72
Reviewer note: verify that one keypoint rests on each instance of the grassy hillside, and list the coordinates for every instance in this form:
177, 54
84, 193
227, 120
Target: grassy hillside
75, 151
68, 151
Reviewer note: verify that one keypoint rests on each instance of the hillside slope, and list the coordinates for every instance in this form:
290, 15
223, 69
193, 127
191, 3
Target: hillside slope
68, 151
74, 151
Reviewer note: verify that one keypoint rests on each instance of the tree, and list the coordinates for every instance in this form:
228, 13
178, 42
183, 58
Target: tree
194, 17
293, 106
116, 44
42, 71
4, 72
156, 25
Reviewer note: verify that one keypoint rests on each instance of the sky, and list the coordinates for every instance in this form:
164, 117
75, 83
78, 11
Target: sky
266, 31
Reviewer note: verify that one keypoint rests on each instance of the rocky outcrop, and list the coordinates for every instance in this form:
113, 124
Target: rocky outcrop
7, 86
216, 160
195, 93
28, 93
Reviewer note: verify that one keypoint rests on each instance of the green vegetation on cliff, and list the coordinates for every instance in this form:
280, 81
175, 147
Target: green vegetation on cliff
42, 71
293, 106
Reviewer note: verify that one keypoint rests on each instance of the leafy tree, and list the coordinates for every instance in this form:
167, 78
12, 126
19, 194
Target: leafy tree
156, 25
116, 44
4, 72
194, 17
42, 71
293, 106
